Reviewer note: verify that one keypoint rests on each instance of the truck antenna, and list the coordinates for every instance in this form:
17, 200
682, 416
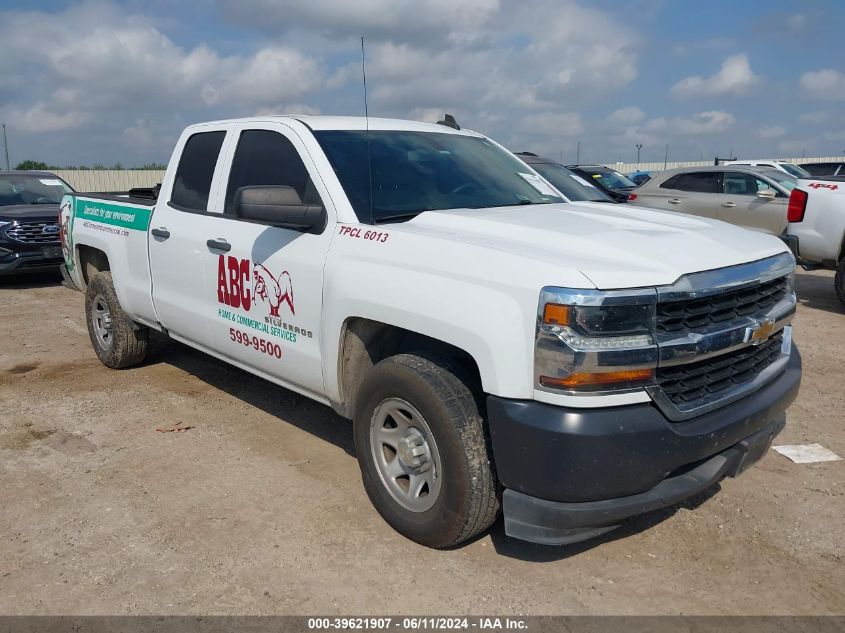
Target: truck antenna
367, 124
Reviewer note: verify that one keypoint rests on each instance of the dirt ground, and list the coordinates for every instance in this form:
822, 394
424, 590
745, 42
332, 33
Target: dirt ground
259, 508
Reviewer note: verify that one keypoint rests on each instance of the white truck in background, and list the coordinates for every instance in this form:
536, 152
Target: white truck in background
496, 347
816, 229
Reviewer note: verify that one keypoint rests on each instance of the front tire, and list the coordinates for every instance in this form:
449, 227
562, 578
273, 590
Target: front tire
117, 340
422, 451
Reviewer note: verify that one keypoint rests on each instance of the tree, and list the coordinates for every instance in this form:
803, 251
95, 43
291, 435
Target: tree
32, 164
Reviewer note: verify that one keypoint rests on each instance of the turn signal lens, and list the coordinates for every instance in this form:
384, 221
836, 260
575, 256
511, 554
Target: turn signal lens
556, 314
581, 380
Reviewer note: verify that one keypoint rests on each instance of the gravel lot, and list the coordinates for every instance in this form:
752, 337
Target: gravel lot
259, 508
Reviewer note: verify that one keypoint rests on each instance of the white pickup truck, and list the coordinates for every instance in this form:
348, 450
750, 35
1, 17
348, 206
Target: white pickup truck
816, 229
497, 348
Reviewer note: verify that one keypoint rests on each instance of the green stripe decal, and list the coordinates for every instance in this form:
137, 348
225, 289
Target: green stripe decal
135, 218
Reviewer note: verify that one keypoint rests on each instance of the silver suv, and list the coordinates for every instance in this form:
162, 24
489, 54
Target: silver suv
753, 197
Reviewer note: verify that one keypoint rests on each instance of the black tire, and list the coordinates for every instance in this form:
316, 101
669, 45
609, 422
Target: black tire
466, 503
128, 341
839, 280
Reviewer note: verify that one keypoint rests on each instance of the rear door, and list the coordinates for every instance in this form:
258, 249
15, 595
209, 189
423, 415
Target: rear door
687, 192
739, 203
178, 233
265, 284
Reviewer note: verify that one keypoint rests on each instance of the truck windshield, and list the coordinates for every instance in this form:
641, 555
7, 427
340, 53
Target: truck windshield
570, 184
414, 172
19, 189
795, 170
610, 178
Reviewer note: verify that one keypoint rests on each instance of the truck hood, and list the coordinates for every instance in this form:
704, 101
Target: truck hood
614, 246
29, 212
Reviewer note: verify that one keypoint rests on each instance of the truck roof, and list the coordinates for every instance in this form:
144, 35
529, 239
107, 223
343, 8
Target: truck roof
348, 123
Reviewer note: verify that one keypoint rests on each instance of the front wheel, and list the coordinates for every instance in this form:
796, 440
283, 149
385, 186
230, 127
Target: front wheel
117, 340
422, 452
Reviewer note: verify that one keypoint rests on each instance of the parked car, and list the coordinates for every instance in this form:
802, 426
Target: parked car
816, 230
29, 229
824, 169
639, 177
752, 197
491, 344
780, 165
614, 184
570, 184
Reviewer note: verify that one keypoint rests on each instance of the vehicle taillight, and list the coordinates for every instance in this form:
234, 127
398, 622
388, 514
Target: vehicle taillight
631, 197
797, 205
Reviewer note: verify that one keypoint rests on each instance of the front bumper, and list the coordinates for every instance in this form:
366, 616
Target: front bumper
571, 474
27, 261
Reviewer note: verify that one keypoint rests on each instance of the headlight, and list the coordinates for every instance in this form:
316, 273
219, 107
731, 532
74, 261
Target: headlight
594, 341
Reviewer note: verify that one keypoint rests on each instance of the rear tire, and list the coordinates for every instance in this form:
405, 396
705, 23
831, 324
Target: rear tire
117, 340
418, 430
839, 280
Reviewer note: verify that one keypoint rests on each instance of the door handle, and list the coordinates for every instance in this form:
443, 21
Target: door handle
163, 233
729, 205
219, 245
674, 201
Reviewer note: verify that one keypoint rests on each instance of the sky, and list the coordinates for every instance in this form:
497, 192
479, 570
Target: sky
102, 81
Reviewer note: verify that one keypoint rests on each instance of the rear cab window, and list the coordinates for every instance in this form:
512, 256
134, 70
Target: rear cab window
192, 183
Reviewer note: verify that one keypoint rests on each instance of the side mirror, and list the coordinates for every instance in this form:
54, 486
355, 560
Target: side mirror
279, 205
767, 194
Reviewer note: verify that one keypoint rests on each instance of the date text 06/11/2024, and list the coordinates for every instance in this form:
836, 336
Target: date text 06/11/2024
418, 623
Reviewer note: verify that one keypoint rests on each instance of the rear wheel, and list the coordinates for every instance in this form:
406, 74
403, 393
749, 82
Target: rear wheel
422, 451
117, 340
839, 280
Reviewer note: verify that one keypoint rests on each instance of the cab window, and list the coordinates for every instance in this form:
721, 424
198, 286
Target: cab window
264, 157
196, 170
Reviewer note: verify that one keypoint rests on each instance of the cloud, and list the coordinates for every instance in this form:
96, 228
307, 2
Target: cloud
40, 118
815, 118
770, 132
425, 22
124, 67
553, 124
711, 122
824, 84
735, 77
626, 116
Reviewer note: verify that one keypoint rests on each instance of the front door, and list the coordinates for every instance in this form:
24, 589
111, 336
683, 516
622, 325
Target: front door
267, 288
739, 203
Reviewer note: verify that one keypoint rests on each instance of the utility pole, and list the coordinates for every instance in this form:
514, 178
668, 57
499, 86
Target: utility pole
6, 146
666, 157
639, 147
578, 154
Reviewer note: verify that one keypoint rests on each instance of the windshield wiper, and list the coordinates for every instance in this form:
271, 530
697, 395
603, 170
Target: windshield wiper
398, 216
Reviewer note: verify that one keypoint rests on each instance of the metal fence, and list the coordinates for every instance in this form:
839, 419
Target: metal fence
110, 179
125, 179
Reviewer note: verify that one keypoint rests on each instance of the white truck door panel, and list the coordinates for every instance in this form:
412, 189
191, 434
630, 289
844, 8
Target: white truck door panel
266, 293
178, 233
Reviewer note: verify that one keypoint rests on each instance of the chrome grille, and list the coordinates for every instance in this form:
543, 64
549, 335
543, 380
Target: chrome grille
707, 379
33, 233
697, 314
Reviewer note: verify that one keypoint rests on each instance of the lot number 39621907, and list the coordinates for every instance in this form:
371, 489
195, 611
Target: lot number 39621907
258, 344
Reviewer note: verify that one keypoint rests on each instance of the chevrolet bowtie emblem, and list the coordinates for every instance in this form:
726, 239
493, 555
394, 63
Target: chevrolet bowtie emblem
760, 333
